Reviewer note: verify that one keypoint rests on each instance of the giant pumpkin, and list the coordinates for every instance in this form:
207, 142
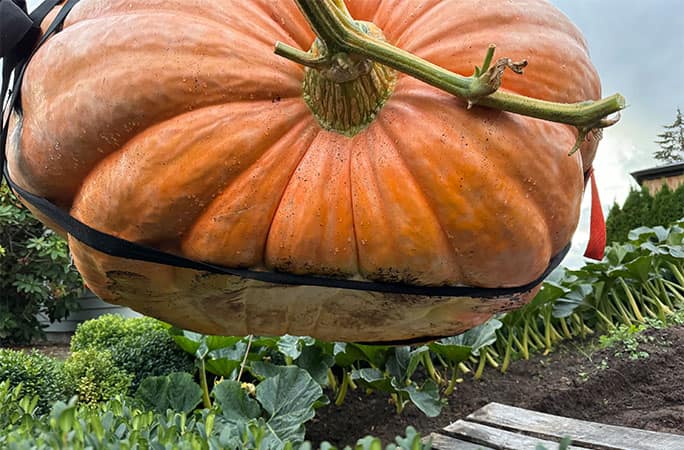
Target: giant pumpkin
172, 123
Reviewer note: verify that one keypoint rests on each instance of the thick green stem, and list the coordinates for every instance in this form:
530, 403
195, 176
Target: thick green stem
657, 291
664, 295
332, 381
204, 385
490, 358
609, 324
626, 316
430, 367
677, 272
481, 365
555, 335
565, 329
398, 402
547, 332
244, 359
340, 34
507, 354
584, 330
674, 290
452, 381
632, 301
526, 339
346, 376
522, 346
536, 335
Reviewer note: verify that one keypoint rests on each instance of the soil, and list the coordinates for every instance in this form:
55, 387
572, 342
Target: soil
641, 389
55, 350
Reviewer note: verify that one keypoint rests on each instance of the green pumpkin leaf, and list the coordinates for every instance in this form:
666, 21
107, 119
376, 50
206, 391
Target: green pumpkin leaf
176, 391
476, 338
373, 379
224, 361
289, 399
548, 293
219, 342
315, 361
237, 407
451, 353
292, 346
426, 398
187, 340
347, 354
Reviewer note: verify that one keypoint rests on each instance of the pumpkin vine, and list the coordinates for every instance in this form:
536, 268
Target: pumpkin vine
333, 25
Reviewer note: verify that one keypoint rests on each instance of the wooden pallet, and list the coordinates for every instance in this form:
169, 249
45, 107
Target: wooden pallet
501, 427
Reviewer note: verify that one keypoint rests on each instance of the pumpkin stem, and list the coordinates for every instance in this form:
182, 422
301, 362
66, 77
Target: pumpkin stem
345, 91
339, 33
596, 131
487, 79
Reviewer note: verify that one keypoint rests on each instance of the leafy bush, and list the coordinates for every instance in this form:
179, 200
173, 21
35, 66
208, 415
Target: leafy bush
95, 377
117, 424
36, 275
141, 346
38, 374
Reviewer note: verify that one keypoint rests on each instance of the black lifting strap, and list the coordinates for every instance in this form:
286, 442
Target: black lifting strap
117, 247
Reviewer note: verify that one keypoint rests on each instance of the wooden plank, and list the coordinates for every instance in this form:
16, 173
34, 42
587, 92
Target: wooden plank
498, 438
582, 432
442, 442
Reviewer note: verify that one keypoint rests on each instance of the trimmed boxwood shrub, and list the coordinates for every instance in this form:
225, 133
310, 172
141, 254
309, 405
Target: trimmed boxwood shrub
95, 377
141, 346
39, 375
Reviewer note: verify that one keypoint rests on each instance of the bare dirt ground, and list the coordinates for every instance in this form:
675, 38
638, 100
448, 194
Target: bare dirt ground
643, 388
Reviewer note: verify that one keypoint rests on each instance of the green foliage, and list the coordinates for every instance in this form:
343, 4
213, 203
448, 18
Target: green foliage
176, 391
141, 346
387, 369
266, 388
36, 275
643, 209
94, 376
671, 141
625, 339
119, 425
38, 374
635, 212
281, 405
412, 441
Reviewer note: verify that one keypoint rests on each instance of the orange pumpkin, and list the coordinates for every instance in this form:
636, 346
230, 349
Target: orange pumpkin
171, 123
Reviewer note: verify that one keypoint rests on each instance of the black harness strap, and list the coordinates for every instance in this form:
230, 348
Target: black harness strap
18, 41
117, 247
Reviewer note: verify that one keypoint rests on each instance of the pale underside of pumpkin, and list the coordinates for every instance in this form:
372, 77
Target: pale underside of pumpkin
173, 124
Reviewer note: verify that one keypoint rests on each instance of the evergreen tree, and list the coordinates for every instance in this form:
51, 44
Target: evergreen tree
662, 210
671, 141
635, 212
614, 223
678, 203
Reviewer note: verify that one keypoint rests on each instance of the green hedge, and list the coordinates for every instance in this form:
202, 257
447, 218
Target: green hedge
643, 209
38, 374
95, 377
140, 346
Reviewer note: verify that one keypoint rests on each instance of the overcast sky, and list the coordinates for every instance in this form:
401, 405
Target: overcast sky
638, 48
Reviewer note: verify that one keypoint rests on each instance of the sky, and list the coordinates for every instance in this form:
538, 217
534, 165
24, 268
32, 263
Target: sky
638, 49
